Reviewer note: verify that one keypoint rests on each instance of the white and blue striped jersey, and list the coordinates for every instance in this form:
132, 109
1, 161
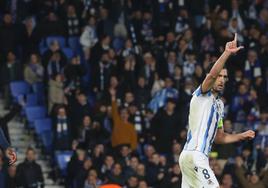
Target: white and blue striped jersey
205, 117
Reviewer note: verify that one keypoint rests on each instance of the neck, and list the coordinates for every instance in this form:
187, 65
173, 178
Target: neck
215, 93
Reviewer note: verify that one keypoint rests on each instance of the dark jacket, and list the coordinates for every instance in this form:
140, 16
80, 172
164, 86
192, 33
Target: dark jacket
29, 174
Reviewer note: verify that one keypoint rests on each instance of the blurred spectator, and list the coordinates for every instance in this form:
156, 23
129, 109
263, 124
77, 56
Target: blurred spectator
55, 92
9, 34
10, 71
62, 128
123, 132
34, 71
72, 21
160, 98
252, 180
11, 180
165, 126
29, 173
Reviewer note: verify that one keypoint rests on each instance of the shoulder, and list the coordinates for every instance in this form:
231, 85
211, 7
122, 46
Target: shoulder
198, 92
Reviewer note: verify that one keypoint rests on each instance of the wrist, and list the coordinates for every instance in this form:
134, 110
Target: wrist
227, 53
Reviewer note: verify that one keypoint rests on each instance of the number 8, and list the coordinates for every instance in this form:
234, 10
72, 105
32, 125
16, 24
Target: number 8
206, 174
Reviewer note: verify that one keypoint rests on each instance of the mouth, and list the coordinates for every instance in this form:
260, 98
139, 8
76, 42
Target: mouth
220, 87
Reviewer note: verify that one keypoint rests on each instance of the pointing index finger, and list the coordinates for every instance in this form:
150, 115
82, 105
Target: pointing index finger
235, 37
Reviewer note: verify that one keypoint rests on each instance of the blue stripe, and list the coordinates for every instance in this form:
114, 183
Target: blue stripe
189, 137
214, 132
208, 127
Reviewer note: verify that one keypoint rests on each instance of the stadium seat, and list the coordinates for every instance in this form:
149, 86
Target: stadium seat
33, 113
69, 53
42, 50
73, 43
60, 39
42, 125
62, 159
19, 88
38, 88
31, 99
47, 140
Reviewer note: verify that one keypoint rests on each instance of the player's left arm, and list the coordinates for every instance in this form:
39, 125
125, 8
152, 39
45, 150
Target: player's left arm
226, 138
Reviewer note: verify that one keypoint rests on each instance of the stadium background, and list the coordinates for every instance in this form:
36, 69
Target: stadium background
60, 58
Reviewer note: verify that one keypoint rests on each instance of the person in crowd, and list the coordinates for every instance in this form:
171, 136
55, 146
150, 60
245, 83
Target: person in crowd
29, 172
34, 70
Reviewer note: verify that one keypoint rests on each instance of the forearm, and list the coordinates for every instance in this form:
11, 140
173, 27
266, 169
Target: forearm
225, 138
3, 141
217, 67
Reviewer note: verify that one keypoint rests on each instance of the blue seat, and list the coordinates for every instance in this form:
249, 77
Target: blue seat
19, 88
38, 88
62, 159
31, 99
68, 52
42, 125
42, 50
60, 39
33, 113
47, 140
73, 43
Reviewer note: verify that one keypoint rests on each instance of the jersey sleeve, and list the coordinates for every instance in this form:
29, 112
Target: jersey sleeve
198, 92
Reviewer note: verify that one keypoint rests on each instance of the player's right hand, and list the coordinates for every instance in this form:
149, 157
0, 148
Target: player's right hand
11, 155
232, 47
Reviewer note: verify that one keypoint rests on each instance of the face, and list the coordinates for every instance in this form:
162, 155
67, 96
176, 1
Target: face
227, 180
171, 106
109, 160
117, 169
133, 182
86, 121
141, 169
62, 112
254, 179
11, 56
124, 151
30, 155
124, 114
176, 169
129, 97
155, 159
141, 82
220, 81
168, 83
143, 184
172, 57
176, 149
34, 59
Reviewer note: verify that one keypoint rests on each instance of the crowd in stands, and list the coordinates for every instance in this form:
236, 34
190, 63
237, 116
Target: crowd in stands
119, 76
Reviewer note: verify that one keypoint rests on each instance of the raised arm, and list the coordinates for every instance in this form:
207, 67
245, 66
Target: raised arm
225, 138
230, 48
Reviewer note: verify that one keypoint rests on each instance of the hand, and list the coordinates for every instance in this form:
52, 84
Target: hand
160, 176
174, 179
231, 46
112, 92
10, 153
239, 161
248, 135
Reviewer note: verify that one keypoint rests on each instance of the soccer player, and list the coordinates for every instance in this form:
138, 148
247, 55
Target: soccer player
206, 125
4, 145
